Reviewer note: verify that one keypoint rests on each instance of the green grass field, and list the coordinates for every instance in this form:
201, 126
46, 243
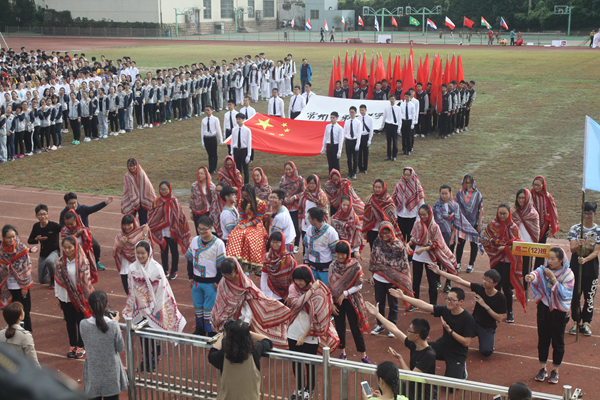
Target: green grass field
528, 119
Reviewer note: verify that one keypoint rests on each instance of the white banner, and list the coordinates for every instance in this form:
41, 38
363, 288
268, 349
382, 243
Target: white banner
319, 108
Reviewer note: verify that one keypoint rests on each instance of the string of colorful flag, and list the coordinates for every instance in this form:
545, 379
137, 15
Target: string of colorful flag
356, 68
413, 21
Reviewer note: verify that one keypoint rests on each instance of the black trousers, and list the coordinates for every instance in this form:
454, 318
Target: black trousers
310, 376
239, 156
543, 239
96, 249
210, 144
407, 135
473, 255
115, 397
139, 116
87, 126
332, 160
406, 225
589, 286
227, 134
294, 216
432, 279
551, 331
381, 294
455, 363
391, 135
294, 114
113, 122
143, 215
443, 124
73, 318
161, 112
164, 256
20, 143
423, 127
352, 156
76, 127
44, 135
503, 269
148, 113
363, 153
176, 106
125, 284
28, 139
37, 138
346, 310
371, 236
94, 126
467, 117
26, 301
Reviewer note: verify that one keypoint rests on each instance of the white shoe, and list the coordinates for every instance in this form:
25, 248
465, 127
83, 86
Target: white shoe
466, 129
391, 335
145, 125
296, 249
416, 135
151, 126
422, 135
87, 139
122, 131
116, 134
378, 329
29, 154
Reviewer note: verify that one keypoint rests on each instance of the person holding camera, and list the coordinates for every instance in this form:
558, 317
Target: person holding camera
104, 376
237, 355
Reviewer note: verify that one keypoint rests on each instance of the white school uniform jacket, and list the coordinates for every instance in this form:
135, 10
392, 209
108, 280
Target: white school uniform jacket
248, 112
254, 77
366, 126
239, 82
215, 128
357, 127
282, 222
338, 137
276, 107
229, 120
297, 104
245, 140
321, 243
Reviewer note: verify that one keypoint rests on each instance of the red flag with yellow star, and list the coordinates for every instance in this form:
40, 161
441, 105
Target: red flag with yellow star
286, 136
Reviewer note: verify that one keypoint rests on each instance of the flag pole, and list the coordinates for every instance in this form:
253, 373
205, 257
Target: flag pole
579, 274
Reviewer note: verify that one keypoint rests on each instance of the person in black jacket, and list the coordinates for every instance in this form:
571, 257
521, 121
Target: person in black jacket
47, 234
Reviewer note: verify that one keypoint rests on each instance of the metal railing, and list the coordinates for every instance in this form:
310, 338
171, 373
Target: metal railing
165, 365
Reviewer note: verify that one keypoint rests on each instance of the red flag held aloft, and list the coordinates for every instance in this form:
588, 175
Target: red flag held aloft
420, 71
371, 78
452, 71
426, 71
459, 70
363, 69
332, 79
338, 69
394, 21
468, 23
389, 74
348, 71
380, 75
446, 75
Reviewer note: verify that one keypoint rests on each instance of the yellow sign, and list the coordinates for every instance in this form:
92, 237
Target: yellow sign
530, 249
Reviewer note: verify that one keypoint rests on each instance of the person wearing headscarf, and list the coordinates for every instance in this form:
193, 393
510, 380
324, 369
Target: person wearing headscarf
293, 186
74, 227
312, 196
497, 239
247, 242
389, 269
430, 248
201, 195
231, 175
552, 289
169, 227
336, 188
310, 327
216, 208
348, 225
124, 246
379, 208
150, 297
138, 193
345, 283
408, 197
15, 272
73, 287
470, 201
546, 208
526, 218
277, 269
238, 297
261, 187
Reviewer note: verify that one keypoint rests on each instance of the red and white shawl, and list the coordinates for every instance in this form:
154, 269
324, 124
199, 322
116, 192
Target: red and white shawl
15, 261
318, 197
78, 293
292, 186
497, 234
200, 203
86, 243
348, 225
137, 191
427, 233
408, 191
262, 188
380, 208
546, 208
128, 249
278, 267
166, 212
528, 216
343, 188
318, 308
269, 316
232, 176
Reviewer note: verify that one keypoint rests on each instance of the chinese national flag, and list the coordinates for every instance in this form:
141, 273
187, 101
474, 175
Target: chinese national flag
467, 22
394, 21
289, 137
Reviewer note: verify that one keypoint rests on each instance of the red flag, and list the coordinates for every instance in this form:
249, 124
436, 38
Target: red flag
459, 70
446, 75
411, 56
360, 21
281, 135
452, 71
388, 74
397, 74
332, 79
348, 71
355, 66
436, 78
420, 71
426, 71
363, 68
409, 78
380, 75
371, 78
468, 23
394, 21
338, 70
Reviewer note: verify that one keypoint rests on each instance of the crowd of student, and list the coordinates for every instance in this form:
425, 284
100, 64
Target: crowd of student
241, 265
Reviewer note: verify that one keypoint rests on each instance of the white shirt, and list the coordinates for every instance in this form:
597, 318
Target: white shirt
404, 212
299, 326
245, 140
356, 129
279, 107
415, 102
408, 111
248, 112
366, 126
264, 287
305, 224
323, 246
209, 259
297, 104
282, 222
423, 257
307, 96
338, 138
61, 292
388, 115
124, 265
229, 219
215, 128
524, 234
229, 119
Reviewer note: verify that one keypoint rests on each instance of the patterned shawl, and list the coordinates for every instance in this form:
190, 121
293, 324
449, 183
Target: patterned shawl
348, 226
167, 213
279, 267
86, 243
408, 189
78, 293
137, 191
232, 176
292, 186
318, 197
269, 316
150, 297
343, 188
199, 202
528, 216
497, 234
128, 249
390, 260
262, 188
470, 202
546, 208
380, 208
216, 209
428, 233
454, 219
14, 261
556, 297
343, 277
318, 308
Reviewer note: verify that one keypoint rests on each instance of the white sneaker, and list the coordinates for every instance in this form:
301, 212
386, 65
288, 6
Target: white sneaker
378, 329
391, 335
466, 129
29, 154
87, 139
145, 125
116, 134
122, 131
416, 135
422, 135
296, 249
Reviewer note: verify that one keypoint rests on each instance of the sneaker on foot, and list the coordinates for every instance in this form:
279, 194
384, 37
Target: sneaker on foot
439, 285
411, 308
447, 287
553, 377
100, 267
343, 356
79, 353
378, 329
173, 276
366, 360
541, 376
71, 353
296, 249
573, 330
391, 335
469, 269
458, 267
510, 318
585, 329
297, 395
54, 147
